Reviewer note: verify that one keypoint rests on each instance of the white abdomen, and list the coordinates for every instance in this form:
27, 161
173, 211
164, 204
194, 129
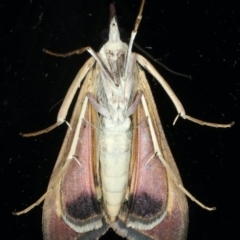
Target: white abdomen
115, 152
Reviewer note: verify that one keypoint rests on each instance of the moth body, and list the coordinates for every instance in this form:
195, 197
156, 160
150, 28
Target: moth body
115, 134
115, 168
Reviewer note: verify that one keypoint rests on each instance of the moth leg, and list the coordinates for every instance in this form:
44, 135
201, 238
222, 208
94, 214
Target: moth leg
134, 105
68, 98
160, 63
80, 51
166, 165
203, 123
181, 112
41, 199
103, 111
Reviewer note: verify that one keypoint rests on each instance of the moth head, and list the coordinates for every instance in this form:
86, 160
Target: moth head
114, 34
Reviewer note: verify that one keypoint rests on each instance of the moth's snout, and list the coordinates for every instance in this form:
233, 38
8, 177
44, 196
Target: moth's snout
114, 35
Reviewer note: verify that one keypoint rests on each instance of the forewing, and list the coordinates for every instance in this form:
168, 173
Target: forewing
71, 208
157, 208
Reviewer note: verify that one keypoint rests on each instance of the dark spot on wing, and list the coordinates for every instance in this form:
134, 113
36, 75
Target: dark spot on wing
144, 206
83, 207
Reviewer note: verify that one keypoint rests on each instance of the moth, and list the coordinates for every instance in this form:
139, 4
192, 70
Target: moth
115, 169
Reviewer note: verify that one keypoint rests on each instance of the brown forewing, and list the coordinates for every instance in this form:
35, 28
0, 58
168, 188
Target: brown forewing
72, 190
153, 195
